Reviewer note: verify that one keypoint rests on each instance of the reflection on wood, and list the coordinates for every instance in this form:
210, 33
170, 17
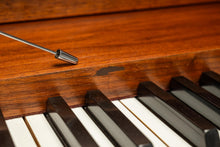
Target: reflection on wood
23, 10
22, 96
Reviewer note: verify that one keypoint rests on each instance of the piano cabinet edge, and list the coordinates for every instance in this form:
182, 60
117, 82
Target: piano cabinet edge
70, 8
28, 95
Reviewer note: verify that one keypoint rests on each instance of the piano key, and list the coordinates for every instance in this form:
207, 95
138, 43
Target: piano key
108, 126
156, 142
62, 130
20, 134
179, 83
197, 98
42, 131
91, 127
213, 138
5, 138
154, 123
67, 124
210, 81
112, 121
175, 113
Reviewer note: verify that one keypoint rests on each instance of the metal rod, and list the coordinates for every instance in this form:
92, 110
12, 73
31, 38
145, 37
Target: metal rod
59, 54
28, 43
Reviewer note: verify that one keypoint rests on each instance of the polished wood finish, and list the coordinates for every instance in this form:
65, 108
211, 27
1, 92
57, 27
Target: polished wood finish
25, 95
109, 39
23, 10
115, 51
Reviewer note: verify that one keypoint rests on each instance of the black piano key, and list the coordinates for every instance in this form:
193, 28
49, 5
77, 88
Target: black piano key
112, 121
67, 124
5, 137
184, 120
209, 78
56, 130
212, 138
196, 97
179, 83
211, 82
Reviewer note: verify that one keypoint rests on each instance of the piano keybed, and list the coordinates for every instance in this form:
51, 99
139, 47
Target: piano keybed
153, 118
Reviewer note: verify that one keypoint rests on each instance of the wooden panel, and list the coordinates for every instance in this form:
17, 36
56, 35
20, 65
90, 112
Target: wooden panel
23, 10
109, 39
22, 96
115, 52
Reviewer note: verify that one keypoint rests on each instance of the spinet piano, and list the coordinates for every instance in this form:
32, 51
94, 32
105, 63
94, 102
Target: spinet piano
157, 61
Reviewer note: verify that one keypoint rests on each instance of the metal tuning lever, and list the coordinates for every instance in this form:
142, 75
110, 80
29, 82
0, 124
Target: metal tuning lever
59, 54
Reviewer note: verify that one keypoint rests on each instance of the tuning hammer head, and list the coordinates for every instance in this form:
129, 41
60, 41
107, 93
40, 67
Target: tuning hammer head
66, 57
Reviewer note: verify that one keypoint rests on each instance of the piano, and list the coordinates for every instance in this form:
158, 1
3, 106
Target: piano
148, 73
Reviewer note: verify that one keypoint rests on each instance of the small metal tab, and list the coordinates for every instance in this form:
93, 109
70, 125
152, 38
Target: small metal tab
66, 57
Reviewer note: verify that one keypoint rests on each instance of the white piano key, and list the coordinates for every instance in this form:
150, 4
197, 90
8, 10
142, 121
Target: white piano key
91, 127
20, 133
154, 123
154, 140
42, 130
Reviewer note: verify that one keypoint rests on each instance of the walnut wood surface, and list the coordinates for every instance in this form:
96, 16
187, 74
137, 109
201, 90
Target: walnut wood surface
108, 39
23, 10
25, 95
115, 52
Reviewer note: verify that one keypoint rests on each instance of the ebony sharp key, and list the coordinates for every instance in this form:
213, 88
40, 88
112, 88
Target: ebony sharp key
112, 122
211, 82
197, 98
184, 120
65, 122
5, 138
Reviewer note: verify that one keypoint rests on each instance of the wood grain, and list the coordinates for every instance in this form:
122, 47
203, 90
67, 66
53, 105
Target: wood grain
115, 53
27, 95
23, 10
109, 39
